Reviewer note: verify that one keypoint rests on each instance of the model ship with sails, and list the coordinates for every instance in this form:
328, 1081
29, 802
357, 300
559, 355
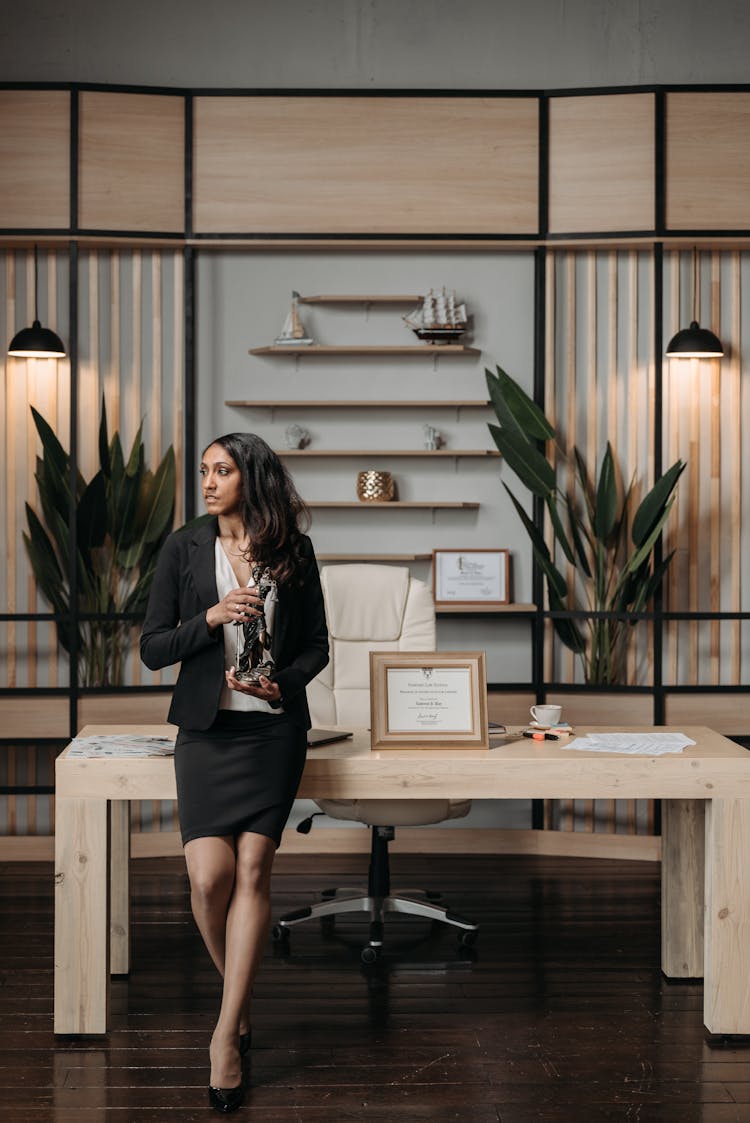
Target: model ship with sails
438, 318
293, 333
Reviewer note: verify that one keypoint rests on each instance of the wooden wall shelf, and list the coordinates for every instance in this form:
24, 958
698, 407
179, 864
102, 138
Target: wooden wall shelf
341, 403
390, 504
357, 300
316, 350
374, 559
486, 610
394, 453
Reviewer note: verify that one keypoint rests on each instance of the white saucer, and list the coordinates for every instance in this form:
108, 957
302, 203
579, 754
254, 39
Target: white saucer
538, 725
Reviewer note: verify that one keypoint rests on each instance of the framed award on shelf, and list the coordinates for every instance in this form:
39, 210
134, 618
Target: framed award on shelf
470, 577
428, 700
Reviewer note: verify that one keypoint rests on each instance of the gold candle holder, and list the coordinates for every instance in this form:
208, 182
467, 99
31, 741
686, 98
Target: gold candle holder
375, 487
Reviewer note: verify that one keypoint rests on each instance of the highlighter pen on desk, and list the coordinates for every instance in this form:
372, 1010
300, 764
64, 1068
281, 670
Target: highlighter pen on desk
534, 736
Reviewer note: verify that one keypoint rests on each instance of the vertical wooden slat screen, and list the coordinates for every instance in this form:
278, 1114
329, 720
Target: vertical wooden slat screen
137, 364
130, 352
599, 389
705, 404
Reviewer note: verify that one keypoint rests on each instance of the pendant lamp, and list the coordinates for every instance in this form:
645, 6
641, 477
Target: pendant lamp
36, 342
694, 342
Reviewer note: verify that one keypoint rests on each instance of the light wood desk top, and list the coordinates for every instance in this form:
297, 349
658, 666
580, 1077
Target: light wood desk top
513, 768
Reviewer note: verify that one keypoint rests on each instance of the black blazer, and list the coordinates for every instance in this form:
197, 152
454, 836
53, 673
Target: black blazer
175, 629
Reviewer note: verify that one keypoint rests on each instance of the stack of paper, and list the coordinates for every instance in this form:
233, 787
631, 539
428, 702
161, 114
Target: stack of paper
120, 745
636, 744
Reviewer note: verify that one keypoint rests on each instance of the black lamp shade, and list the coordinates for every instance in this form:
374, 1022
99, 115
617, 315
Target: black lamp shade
694, 343
36, 342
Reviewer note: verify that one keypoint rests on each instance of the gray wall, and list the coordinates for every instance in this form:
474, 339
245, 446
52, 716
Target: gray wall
376, 43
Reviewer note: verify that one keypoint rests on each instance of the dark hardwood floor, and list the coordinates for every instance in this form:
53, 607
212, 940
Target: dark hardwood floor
563, 1016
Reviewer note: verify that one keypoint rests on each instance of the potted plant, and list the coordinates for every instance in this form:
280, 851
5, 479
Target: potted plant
590, 519
123, 515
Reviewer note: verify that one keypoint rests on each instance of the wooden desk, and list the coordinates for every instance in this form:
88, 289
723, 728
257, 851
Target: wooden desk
705, 846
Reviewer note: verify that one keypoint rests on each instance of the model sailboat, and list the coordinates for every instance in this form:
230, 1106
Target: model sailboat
438, 319
293, 333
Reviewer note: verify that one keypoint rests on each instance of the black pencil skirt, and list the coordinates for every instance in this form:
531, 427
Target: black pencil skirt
242, 774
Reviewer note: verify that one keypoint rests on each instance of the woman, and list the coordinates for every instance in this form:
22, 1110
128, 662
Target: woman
241, 745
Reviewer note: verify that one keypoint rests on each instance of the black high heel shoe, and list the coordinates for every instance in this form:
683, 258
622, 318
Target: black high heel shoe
226, 1099
246, 1040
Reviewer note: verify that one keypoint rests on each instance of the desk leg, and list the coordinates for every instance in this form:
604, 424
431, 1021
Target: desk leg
81, 923
119, 887
682, 879
726, 990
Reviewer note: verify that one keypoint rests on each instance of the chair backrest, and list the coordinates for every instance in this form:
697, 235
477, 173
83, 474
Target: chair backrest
368, 608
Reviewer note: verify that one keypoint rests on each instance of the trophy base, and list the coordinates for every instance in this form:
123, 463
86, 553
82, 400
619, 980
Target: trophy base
254, 675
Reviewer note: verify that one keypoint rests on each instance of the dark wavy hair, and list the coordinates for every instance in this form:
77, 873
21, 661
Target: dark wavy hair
273, 513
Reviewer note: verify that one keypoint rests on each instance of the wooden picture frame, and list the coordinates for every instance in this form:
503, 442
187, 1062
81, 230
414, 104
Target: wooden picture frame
428, 700
470, 577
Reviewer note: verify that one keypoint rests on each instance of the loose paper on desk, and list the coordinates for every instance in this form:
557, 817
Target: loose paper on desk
120, 745
635, 744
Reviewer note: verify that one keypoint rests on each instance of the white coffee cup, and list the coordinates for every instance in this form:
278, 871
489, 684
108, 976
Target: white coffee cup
546, 715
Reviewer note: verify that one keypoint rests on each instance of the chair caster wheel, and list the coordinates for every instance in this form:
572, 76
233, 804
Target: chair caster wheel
279, 934
370, 954
468, 939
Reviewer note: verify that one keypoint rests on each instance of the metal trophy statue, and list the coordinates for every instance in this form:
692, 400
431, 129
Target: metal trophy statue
253, 638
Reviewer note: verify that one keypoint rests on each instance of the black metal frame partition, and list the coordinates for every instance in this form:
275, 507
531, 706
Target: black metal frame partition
536, 685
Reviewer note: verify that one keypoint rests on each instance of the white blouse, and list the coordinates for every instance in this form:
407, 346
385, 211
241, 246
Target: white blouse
226, 580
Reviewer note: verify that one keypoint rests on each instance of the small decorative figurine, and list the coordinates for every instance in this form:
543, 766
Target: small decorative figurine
432, 437
296, 436
293, 334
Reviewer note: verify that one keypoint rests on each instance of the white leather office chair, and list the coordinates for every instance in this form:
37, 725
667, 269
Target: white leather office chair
373, 608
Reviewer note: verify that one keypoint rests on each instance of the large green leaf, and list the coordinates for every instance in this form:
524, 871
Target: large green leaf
586, 487
160, 498
637, 558
567, 629
655, 580
555, 579
92, 515
53, 450
104, 462
136, 459
502, 411
652, 506
532, 469
606, 497
516, 409
577, 540
54, 488
47, 572
559, 529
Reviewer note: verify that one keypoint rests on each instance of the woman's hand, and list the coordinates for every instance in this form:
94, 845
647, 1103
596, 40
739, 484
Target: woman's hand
265, 689
237, 607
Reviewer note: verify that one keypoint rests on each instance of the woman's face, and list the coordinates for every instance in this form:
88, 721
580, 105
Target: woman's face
221, 482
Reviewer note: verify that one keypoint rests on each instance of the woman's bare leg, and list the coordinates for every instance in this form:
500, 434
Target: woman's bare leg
211, 869
247, 926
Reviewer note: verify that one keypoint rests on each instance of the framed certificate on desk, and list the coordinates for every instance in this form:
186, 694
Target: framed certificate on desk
470, 577
428, 699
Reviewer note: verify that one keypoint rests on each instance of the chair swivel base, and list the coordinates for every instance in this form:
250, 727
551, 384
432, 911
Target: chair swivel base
339, 901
